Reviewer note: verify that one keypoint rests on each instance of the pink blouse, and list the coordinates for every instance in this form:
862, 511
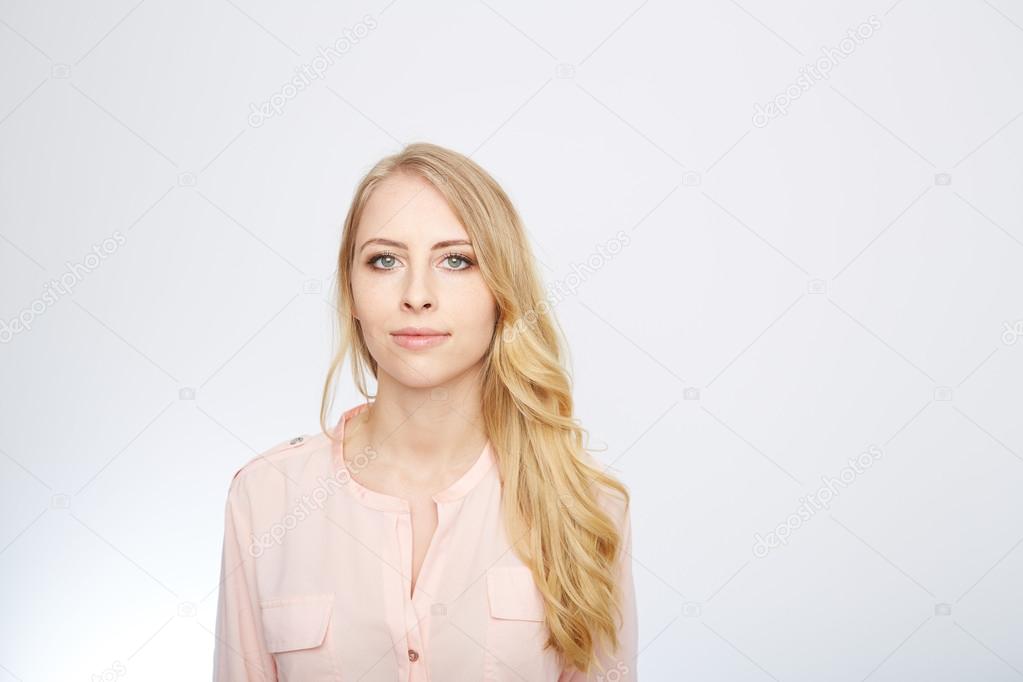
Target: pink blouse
315, 581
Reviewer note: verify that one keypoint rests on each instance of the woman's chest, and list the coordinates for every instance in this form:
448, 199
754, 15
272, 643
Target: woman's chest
414, 596
423, 519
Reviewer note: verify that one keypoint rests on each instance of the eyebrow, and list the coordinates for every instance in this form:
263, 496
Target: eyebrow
400, 245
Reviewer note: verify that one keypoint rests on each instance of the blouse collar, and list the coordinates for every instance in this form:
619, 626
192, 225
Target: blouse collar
384, 502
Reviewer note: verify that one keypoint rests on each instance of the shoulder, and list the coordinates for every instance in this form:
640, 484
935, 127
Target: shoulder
290, 460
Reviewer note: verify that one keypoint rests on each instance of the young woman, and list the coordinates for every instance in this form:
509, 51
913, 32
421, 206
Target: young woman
453, 528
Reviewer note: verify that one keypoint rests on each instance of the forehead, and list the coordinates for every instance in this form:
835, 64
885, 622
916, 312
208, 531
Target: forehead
408, 208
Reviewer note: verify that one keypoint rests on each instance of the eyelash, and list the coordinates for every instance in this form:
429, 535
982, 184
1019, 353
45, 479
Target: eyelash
468, 261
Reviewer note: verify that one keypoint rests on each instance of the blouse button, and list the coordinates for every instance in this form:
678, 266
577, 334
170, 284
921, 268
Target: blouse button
413, 655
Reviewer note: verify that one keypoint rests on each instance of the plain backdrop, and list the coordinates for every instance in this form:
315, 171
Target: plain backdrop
781, 236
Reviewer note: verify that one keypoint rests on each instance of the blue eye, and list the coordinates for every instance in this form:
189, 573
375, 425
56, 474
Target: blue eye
374, 259
458, 257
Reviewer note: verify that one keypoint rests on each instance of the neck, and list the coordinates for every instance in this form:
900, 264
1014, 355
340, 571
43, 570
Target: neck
429, 431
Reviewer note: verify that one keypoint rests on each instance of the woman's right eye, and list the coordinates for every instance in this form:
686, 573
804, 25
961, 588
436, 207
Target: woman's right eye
383, 256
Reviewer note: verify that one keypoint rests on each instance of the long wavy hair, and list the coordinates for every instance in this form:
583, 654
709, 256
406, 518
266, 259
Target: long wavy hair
550, 504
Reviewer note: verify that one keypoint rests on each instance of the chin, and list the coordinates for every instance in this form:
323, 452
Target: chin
414, 375
426, 376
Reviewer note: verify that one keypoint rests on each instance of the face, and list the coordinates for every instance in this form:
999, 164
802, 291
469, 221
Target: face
425, 311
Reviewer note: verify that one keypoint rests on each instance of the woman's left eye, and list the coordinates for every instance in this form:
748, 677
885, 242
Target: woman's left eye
457, 258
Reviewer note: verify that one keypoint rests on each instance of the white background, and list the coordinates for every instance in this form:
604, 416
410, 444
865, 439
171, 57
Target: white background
846, 276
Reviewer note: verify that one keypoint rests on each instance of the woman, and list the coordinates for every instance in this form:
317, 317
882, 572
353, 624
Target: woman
454, 528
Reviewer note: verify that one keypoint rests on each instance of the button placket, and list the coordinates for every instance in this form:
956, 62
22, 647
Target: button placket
410, 632
412, 622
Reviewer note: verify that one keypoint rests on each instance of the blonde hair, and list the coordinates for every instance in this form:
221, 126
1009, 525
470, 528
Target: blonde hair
549, 505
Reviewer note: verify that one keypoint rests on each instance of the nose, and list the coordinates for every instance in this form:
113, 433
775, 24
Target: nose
418, 294
410, 305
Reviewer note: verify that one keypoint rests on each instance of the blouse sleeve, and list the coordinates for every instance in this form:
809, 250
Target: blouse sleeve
240, 653
621, 664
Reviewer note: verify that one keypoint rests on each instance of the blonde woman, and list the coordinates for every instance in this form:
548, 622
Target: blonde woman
452, 527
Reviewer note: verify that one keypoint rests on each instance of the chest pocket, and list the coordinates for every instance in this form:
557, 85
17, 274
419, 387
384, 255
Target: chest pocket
516, 631
297, 631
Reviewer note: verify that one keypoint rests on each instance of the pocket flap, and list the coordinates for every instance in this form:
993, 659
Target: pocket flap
513, 594
298, 622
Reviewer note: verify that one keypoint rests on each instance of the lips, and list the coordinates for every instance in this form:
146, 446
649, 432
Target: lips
417, 338
418, 331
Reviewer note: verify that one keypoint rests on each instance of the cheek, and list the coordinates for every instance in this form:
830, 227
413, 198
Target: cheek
368, 297
474, 313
